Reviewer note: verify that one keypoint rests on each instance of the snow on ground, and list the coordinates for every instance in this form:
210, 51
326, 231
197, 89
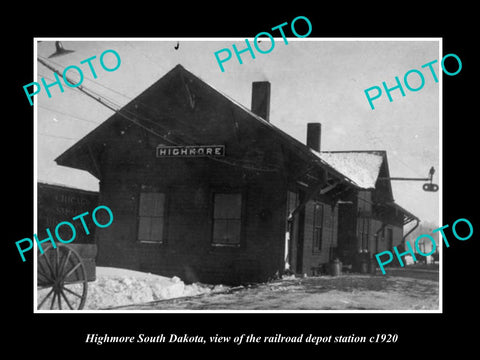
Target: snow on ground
119, 287
411, 288
401, 289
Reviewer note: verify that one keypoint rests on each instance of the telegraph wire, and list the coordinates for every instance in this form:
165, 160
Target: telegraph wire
57, 136
414, 171
69, 115
84, 79
118, 110
129, 98
99, 98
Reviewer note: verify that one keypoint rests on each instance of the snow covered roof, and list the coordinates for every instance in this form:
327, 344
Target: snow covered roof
361, 167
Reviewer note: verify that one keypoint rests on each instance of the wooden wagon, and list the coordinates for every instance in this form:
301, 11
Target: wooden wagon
63, 272
62, 282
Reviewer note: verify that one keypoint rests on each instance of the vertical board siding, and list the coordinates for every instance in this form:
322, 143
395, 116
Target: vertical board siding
313, 258
187, 250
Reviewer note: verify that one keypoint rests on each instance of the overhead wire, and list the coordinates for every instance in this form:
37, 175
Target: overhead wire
69, 115
77, 91
121, 111
57, 136
414, 171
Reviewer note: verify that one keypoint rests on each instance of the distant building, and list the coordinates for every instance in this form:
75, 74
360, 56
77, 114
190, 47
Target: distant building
208, 190
370, 220
425, 244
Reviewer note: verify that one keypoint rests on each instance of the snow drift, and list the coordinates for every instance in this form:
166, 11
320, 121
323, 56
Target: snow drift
118, 287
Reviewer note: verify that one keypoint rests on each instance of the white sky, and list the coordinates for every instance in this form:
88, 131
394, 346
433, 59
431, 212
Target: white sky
312, 80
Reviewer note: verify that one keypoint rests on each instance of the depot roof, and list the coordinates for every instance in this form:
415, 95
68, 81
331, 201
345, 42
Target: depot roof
181, 91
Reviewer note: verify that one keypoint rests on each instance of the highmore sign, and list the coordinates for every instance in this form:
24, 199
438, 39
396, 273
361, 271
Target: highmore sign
190, 151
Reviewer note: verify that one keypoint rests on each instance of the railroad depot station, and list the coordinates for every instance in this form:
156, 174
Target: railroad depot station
208, 190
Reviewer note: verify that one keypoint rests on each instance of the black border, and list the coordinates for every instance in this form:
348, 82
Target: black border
418, 333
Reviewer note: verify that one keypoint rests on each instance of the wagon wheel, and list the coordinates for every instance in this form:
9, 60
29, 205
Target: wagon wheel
62, 279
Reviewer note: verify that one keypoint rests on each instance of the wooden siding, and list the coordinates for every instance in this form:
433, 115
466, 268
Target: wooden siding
361, 215
312, 257
189, 185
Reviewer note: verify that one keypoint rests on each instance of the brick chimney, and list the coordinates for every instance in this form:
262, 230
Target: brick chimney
314, 133
261, 99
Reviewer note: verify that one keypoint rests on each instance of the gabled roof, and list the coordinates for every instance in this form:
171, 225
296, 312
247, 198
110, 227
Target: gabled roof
181, 90
362, 167
365, 169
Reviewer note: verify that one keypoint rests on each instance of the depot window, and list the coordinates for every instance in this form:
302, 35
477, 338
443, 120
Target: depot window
227, 219
151, 217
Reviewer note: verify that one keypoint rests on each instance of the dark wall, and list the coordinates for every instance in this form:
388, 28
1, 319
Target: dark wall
189, 185
347, 236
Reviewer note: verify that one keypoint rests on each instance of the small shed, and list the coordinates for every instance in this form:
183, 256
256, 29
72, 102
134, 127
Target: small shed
57, 203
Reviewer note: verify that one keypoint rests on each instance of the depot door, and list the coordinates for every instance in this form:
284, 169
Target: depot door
295, 246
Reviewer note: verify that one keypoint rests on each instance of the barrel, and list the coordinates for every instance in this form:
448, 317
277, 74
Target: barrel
335, 267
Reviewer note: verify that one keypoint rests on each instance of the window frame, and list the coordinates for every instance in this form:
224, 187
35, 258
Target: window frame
222, 191
150, 190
